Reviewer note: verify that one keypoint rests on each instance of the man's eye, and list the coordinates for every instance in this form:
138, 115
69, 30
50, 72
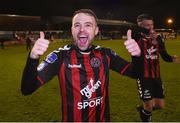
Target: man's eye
88, 25
77, 25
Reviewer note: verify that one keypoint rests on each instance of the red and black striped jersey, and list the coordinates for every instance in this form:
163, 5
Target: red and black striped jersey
83, 79
151, 48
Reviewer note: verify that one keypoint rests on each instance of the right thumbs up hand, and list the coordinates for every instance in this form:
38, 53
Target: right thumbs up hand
39, 47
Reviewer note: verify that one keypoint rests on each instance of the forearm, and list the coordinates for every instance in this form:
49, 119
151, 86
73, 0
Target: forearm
163, 52
29, 82
166, 57
137, 67
123, 67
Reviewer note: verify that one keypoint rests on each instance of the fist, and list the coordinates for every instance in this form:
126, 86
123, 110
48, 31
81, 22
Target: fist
39, 47
131, 45
176, 59
153, 34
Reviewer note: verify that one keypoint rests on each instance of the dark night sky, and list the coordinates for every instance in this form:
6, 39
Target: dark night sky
115, 9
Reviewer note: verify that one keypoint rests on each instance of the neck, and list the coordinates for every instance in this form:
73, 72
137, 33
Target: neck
84, 51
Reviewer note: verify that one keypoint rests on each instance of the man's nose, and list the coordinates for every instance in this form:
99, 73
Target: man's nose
81, 28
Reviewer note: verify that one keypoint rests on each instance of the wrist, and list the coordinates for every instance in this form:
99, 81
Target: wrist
33, 56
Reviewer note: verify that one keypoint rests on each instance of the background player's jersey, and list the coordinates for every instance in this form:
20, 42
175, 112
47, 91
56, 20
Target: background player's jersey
151, 48
84, 79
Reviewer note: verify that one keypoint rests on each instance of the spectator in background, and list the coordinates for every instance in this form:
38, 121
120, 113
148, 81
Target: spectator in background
2, 44
28, 43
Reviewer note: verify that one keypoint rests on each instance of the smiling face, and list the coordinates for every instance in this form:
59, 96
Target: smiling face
84, 29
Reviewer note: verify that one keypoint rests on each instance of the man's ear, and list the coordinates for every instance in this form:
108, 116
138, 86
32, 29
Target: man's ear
97, 30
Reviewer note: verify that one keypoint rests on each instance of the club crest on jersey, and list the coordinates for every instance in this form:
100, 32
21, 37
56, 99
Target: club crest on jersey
51, 58
95, 62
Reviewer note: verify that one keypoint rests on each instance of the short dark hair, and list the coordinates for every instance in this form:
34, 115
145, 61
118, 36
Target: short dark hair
86, 11
143, 17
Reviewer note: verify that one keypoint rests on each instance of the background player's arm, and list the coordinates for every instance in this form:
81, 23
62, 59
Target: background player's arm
163, 52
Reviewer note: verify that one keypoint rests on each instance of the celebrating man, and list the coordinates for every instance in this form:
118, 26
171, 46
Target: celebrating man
82, 68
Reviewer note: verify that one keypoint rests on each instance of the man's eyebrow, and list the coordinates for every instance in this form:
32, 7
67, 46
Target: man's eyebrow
76, 23
88, 22
85, 23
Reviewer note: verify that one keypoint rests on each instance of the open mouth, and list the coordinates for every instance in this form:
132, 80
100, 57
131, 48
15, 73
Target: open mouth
83, 40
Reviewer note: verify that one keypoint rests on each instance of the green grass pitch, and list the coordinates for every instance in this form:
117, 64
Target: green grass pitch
45, 103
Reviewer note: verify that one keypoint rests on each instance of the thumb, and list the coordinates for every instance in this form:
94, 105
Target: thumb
129, 32
42, 36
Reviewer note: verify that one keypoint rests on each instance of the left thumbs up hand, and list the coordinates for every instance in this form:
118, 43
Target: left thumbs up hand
131, 45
